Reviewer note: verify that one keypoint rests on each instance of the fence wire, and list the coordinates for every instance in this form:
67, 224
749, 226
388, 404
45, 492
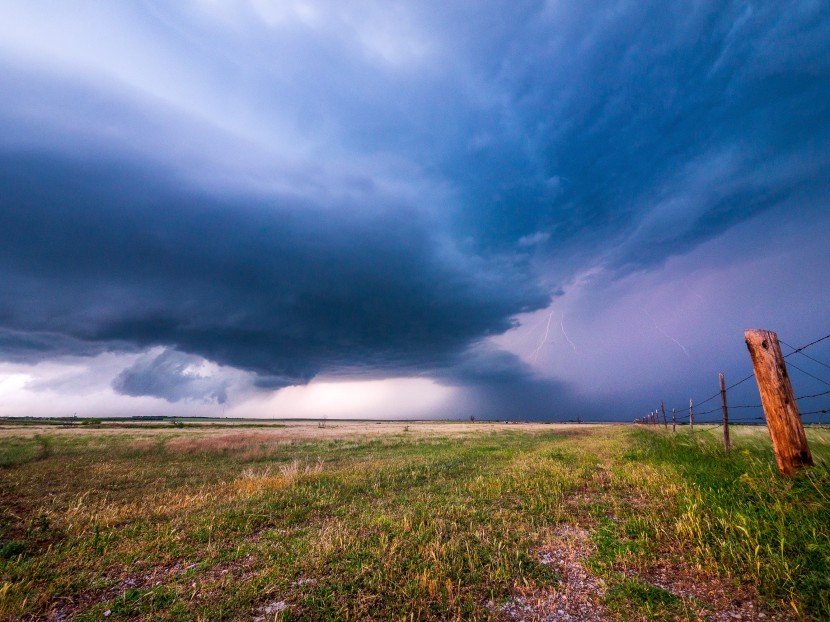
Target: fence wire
681, 414
795, 351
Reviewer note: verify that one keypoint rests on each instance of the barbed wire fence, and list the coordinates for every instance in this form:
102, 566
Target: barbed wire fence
708, 414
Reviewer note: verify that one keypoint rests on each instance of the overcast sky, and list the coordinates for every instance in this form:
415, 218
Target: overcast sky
512, 210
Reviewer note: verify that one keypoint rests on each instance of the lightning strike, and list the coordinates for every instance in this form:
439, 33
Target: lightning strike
544, 339
562, 325
664, 333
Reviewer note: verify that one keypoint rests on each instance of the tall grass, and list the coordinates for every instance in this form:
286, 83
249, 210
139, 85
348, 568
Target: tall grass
737, 515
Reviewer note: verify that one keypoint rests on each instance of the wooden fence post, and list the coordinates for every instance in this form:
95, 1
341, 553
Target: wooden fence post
663, 408
780, 408
674, 420
691, 416
726, 444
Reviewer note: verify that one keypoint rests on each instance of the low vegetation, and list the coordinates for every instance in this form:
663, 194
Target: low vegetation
467, 521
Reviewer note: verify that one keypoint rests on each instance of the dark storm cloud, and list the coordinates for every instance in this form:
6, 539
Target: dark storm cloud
26, 346
646, 128
624, 126
372, 191
106, 253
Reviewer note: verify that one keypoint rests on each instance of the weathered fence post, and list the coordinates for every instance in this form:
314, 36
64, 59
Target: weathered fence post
780, 408
674, 420
663, 408
691, 416
726, 444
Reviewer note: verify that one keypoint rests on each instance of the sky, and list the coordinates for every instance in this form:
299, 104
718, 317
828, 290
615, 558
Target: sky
409, 209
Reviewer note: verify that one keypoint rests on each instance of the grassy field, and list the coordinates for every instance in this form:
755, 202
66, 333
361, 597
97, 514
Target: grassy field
407, 521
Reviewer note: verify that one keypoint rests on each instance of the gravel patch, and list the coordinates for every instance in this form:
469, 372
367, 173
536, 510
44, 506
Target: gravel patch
577, 597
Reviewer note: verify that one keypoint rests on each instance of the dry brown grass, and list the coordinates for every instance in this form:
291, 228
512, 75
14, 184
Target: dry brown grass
288, 430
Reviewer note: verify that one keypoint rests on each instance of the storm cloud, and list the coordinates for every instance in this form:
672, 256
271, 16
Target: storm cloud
281, 288
306, 190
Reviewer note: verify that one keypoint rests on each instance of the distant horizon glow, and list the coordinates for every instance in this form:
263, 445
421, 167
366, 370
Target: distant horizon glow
394, 398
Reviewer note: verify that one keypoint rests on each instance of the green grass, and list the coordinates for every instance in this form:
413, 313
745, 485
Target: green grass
630, 599
177, 526
17, 451
743, 519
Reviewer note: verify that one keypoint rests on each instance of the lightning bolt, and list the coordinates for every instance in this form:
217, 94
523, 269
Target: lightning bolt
544, 339
562, 325
680, 345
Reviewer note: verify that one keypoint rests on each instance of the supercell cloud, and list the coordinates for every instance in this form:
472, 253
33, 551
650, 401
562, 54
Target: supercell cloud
507, 199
